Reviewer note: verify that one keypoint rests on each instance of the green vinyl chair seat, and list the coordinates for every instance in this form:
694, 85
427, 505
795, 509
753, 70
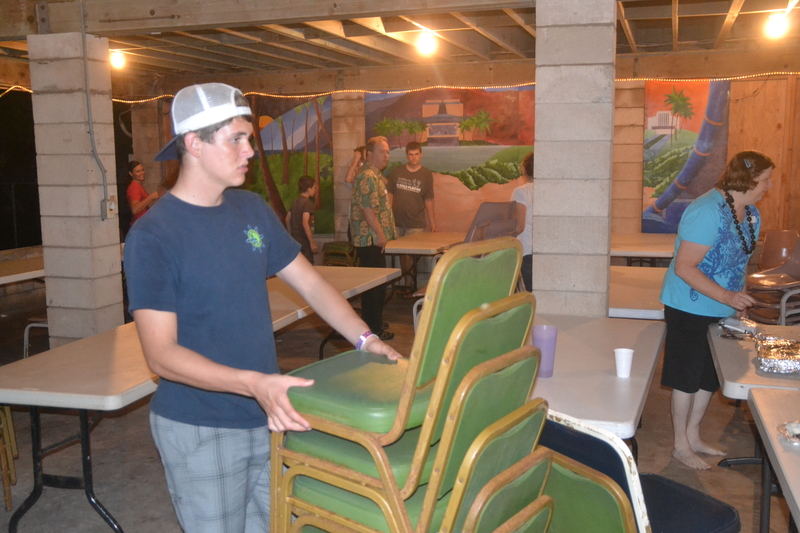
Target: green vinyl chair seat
363, 392
361, 509
352, 455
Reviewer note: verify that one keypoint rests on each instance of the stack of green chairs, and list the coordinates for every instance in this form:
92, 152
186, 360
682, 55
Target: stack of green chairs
395, 472
489, 392
362, 398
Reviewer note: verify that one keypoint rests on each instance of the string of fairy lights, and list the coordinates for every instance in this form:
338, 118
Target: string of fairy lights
7, 89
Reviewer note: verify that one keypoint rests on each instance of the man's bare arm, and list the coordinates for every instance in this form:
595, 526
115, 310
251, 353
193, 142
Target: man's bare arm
329, 303
431, 213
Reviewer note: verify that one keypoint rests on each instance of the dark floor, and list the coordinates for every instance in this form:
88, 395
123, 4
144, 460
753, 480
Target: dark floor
129, 480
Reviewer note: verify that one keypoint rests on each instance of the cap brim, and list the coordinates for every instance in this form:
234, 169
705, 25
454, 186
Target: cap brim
169, 152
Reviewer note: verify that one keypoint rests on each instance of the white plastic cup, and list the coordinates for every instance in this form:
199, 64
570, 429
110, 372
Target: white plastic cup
624, 360
544, 338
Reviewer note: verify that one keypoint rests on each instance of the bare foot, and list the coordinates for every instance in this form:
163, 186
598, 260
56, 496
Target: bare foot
700, 446
690, 459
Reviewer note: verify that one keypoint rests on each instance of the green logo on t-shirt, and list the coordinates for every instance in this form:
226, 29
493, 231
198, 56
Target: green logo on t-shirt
254, 238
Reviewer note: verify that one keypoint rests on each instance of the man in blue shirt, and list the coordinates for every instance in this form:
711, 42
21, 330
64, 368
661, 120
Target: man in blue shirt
196, 269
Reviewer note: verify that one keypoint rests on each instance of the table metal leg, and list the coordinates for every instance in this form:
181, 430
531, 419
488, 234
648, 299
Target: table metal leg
38, 485
766, 490
40, 479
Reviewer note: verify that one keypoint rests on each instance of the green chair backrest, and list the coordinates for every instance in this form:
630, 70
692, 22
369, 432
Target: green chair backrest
534, 518
585, 499
477, 407
482, 334
467, 276
500, 455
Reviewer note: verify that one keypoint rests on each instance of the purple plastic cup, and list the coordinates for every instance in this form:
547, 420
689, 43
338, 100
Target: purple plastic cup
544, 338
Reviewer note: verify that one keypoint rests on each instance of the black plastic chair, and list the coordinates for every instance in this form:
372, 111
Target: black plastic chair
666, 505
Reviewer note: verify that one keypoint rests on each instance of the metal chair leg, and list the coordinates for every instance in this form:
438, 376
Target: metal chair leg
26, 336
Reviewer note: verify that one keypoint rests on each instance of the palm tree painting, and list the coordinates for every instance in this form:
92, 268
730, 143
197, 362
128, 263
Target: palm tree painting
680, 107
482, 122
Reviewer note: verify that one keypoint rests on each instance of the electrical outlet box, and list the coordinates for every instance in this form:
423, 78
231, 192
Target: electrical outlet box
109, 208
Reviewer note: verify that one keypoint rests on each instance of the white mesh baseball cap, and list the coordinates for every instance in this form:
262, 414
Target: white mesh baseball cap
199, 106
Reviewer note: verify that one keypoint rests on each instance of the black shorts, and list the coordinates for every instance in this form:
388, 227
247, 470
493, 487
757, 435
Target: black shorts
688, 365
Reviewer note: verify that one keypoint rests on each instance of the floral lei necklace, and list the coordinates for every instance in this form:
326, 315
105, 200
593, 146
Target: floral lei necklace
748, 249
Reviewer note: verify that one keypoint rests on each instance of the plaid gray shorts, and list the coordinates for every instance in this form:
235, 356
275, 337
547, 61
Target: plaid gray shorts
218, 478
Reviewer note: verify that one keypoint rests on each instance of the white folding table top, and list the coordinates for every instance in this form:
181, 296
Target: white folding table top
643, 245
104, 372
634, 291
771, 407
108, 371
585, 383
425, 243
735, 362
21, 269
287, 306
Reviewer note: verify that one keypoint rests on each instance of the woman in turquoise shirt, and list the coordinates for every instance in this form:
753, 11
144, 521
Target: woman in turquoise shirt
705, 282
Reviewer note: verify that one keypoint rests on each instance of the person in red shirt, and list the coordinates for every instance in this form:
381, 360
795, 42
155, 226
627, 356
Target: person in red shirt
138, 198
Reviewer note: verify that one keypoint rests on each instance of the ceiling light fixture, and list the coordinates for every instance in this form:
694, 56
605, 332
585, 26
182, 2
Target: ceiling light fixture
117, 59
778, 23
426, 44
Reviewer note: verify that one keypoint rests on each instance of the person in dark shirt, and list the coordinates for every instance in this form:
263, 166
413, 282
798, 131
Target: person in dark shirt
300, 218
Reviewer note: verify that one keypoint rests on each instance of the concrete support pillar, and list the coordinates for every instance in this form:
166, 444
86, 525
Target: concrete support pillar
575, 53
145, 126
348, 133
81, 251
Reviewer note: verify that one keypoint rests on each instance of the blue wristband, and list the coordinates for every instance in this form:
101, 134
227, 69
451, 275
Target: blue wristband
363, 338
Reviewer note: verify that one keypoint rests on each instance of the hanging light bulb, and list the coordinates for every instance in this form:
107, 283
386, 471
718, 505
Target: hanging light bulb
777, 26
426, 44
117, 59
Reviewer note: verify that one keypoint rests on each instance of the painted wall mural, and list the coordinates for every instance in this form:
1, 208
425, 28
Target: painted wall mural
685, 147
294, 141
473, 141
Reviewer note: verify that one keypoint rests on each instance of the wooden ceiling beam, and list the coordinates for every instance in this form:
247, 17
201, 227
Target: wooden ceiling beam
371, 42
730, 18
674, 25
516, 17
104, 17
296, 47
165, 52
407, 38
337, 47
274, 59
469, 42
503, 39
255, 39
182, 64
626, 27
